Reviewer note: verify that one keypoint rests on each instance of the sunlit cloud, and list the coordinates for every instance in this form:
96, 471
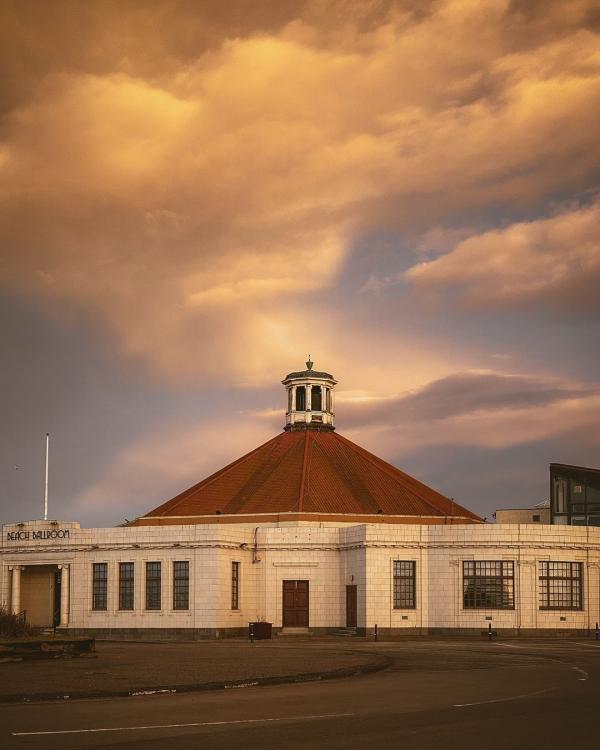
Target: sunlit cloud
180, 209
209, 191
553, 262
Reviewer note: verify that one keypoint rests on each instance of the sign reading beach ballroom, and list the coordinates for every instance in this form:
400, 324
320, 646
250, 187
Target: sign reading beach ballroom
33, 535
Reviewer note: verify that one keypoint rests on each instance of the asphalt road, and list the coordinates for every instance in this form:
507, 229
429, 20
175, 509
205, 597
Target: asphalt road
436, 694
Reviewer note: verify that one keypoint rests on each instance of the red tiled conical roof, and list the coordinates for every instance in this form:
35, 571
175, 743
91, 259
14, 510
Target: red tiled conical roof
310, 472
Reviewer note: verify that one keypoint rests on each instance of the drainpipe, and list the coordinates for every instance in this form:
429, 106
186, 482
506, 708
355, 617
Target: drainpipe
255, 557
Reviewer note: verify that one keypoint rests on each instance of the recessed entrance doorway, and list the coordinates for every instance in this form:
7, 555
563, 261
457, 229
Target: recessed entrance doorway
351, 621
295, 604
40, 595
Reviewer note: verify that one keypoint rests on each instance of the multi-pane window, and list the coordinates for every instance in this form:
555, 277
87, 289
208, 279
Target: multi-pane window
126, 582
181, 584
404, 584
100, 586
561, 585
235, 585
488, 584
153, 599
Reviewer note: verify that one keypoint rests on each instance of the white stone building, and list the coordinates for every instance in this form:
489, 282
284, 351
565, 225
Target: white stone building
307, 531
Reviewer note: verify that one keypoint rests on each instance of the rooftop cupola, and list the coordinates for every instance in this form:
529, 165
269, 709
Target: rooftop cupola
309, 399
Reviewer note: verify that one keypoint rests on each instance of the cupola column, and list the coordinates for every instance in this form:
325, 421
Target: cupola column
302, 411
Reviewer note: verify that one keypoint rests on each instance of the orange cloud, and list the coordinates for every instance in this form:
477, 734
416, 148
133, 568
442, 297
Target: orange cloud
554, 262
196, 208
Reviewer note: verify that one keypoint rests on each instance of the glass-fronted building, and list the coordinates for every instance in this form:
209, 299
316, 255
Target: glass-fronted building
575, 495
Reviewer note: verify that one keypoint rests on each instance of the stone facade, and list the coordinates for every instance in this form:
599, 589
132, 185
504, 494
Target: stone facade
523, 515
329, 557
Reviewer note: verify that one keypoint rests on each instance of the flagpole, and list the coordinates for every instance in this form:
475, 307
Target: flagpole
46, 479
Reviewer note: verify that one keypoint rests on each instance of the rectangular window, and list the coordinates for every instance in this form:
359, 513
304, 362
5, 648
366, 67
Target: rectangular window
561, 585
316, 398
181, 584
488, 584
100, 586
404, 584
126, 585
153, 598
235, 585
300, 398
560, 496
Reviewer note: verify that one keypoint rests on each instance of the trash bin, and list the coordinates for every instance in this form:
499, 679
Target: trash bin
262, 631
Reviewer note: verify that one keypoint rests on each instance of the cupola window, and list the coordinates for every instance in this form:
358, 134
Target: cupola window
316, 398
309, 399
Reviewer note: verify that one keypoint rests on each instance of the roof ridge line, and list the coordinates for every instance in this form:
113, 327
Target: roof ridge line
258, 476
303, 480
213, 477
384, 466
352, 481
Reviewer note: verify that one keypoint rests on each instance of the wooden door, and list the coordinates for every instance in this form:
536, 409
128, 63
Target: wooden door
295, 604
351, 606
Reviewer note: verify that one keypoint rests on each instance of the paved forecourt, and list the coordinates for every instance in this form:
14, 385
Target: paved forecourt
518, 694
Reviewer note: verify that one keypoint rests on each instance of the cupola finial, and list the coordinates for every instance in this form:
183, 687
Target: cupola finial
309, 364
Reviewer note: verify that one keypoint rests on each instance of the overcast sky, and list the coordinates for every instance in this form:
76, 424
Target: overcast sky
195, 195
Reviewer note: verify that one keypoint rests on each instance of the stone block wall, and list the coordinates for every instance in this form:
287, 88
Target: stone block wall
329, 557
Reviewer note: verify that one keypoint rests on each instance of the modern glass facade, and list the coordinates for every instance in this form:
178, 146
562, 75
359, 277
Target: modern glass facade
575, 495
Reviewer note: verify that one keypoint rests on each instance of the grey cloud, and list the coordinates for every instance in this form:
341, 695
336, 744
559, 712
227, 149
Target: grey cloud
456, 395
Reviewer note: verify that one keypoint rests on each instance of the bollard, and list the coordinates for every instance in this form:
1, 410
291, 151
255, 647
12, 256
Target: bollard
597, 632
489, 633
251, 632
375, 632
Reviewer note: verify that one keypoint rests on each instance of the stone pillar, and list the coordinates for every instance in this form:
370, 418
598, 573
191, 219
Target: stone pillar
64, 596
593, 594
15, 595
293, 398
323, 398
526, 595
308, 397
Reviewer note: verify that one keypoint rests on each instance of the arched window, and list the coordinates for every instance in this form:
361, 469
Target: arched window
315, 398
300, 398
